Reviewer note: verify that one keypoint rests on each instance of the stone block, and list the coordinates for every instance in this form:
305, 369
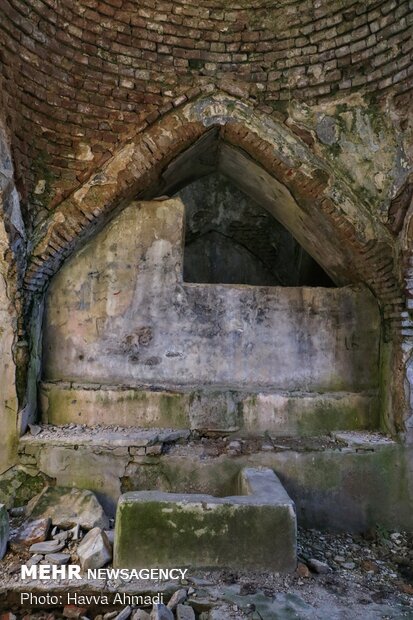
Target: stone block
309, 413
160, 612
30, 533
47, 546
255, 529
62, 404
214, 411
287, 413
177, 598
68, 507
95, 550
184, 612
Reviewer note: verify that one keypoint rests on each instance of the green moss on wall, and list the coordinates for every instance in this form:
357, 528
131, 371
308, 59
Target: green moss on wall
40, 169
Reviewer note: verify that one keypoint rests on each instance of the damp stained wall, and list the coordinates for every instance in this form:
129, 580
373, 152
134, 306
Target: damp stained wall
118, 312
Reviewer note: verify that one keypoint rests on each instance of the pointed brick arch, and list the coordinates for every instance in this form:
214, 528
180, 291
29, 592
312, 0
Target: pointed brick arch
311, 181
367, 247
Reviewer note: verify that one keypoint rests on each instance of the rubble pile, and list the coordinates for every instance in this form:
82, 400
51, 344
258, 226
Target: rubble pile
369, 575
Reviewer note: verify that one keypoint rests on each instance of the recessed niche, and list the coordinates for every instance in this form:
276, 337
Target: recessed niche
232, 239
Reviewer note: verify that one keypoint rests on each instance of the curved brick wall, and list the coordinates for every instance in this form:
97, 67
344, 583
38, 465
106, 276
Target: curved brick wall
80, 77
365, 248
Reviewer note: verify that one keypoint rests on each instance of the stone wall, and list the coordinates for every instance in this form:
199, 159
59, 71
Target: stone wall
357, 483
12, 348
119, 313
309, 104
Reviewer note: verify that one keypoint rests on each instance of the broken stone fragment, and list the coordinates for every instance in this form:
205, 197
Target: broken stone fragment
75, 533
370, 566
178, 597
184, 612
62, 536
4, 530
95, 549
68, 507
74, 612
234, 448
34, 429
160, 612
35, 559
321, 568
8, 615
14, 567
111, 536
124, 614
235, 445
29, 533
140, 614
58, 558
302, 570
199, 582
47, 546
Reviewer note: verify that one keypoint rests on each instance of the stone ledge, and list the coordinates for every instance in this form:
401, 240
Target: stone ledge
209, 409
368, 481
103, 438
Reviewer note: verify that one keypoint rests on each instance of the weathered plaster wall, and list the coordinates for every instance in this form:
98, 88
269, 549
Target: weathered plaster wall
8, 401
354, 484
12, 236
119, 312
100, 97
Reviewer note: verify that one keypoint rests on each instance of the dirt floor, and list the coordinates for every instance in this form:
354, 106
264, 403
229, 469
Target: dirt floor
367, 577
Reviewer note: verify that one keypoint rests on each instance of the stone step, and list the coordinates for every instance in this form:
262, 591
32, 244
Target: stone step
110, 437
328, 476
255, 529
209, 409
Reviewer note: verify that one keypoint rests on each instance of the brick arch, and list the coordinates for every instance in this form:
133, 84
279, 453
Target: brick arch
369, 247
366, 244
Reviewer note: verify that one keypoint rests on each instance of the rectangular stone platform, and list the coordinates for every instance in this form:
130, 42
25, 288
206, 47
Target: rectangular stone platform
328, 477
286, 413
255, 529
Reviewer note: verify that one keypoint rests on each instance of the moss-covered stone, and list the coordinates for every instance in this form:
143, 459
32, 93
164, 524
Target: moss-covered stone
42, 190
286, 414
162, 529
62, 404
67, 507
17, 487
